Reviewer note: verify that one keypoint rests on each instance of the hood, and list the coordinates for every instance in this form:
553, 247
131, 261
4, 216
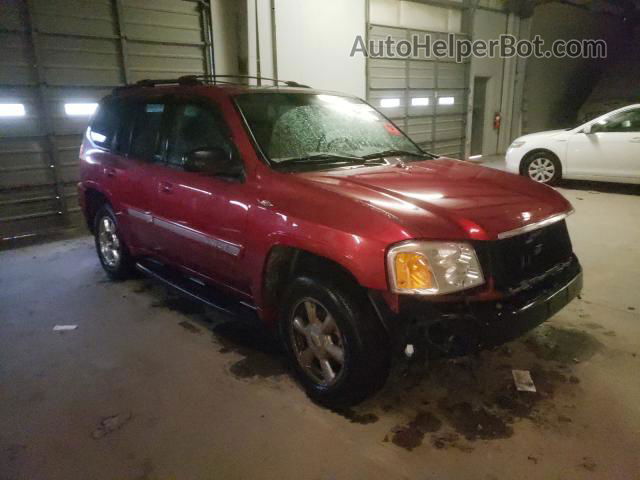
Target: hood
546, 133
423, 197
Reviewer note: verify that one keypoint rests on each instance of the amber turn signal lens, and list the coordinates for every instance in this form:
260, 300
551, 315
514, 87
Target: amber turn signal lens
412, 271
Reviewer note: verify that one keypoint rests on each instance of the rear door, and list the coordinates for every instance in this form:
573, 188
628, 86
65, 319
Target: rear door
138, 150
202, 218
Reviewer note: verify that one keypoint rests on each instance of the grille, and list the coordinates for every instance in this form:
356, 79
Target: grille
519, 259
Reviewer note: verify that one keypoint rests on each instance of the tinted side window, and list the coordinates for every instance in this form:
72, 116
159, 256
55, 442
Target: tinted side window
195, 127
122, 140
104, 124
145, 138
622, 122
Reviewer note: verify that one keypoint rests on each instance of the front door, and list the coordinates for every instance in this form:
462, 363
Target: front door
202, 217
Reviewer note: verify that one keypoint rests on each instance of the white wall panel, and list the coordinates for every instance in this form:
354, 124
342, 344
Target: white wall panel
314, 40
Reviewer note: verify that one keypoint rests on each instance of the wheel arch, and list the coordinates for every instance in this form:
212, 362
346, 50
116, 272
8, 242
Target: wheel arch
284, 262
94, 200
534, 151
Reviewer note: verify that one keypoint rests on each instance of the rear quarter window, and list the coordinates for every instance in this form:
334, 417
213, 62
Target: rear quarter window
104, 124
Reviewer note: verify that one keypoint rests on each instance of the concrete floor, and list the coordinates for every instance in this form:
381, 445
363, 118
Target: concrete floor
151, 386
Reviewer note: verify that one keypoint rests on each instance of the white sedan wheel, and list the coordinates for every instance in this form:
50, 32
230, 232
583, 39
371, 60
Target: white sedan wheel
541, 169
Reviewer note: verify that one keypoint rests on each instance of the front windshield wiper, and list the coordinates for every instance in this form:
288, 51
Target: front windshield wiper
320, 158
323, 159
392, 153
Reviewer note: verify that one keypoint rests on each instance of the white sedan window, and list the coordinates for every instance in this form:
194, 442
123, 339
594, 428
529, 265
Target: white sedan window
628, 121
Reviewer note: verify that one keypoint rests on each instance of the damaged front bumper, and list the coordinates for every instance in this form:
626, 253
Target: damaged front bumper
461, 327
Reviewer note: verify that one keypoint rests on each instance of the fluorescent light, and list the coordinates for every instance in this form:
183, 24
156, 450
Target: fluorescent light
80, 109
475, 157
446, 101
390, 102
419, 102
12, 110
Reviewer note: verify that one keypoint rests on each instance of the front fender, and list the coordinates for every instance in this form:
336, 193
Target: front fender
363, 258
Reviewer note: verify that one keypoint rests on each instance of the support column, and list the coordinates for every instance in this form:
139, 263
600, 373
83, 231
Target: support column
45, 115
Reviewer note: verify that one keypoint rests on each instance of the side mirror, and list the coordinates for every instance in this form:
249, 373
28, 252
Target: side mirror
593, 128
214, 161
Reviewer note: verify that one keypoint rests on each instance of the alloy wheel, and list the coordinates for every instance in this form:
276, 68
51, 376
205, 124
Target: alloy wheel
317, 342
541, 169
109, 242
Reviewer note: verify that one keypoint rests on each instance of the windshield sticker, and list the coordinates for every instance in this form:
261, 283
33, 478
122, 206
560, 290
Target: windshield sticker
391, 129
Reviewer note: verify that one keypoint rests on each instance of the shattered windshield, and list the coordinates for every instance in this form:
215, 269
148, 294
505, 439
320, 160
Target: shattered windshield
305, 128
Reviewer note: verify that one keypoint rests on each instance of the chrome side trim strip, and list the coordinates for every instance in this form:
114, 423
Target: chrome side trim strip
140, 215
195, 235
533, 226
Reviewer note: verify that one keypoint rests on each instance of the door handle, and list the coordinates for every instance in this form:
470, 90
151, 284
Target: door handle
635, 140
166, 187
110, 171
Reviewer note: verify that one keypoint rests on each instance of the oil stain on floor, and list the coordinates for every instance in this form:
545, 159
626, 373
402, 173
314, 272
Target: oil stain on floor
261, 355
453, 402
474, 397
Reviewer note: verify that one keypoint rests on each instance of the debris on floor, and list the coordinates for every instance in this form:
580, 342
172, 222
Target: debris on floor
523, 381
189, 327
409, 350
356, 417
111, 424
588, 464
64, 328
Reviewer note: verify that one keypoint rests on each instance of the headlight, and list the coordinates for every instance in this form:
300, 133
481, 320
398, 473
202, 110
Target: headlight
433, 268
517, 144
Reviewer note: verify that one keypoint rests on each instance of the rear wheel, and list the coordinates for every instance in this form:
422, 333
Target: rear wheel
336, 346
542, 167
112, 251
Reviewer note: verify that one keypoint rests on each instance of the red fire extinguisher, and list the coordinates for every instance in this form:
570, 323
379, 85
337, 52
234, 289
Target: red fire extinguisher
497, 119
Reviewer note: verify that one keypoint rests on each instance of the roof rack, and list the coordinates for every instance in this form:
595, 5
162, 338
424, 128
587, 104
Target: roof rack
214, 79
207, 79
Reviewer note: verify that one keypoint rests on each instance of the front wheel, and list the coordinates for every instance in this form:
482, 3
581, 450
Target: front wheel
337, 347
543, 167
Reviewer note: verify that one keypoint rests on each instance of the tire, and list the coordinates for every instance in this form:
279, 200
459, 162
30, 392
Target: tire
112, 251
366, 354
542, 167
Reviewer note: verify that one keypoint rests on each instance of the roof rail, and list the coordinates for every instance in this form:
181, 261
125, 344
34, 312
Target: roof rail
202, 79
214, 79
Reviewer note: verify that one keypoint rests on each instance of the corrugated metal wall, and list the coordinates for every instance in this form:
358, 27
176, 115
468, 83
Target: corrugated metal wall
439, 128
54, 52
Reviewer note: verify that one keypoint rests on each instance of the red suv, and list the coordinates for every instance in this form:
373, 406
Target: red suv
312, 212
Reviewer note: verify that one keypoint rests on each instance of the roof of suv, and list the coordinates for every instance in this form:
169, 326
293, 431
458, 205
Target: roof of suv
223, 89
207, 84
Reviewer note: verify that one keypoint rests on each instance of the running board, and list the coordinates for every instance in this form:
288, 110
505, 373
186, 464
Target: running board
197, 290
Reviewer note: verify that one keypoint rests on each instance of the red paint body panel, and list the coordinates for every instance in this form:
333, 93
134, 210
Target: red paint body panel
351, 216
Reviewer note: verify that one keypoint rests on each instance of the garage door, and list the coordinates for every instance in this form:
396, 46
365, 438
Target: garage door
59, 57
425, 96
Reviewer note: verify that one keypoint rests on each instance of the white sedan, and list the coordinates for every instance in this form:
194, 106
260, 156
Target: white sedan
606, 149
